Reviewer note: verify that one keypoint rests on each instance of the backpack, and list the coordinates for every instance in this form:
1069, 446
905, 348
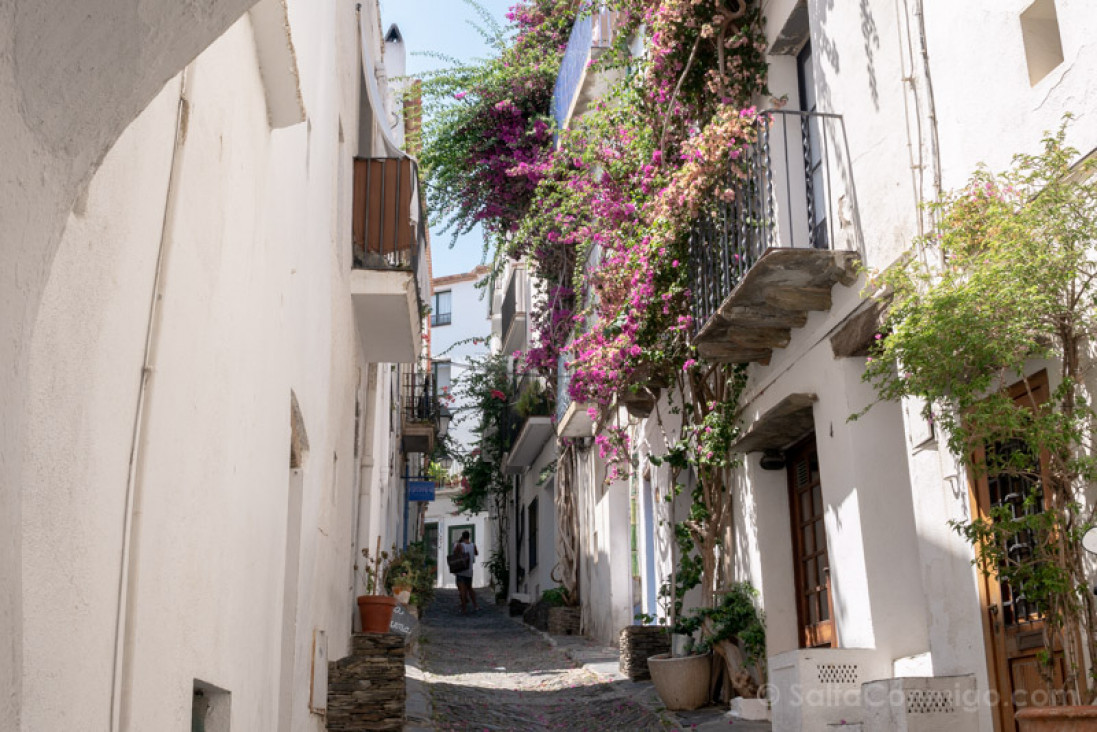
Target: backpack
459, 561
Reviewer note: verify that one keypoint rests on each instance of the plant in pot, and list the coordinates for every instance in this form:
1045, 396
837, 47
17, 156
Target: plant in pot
534, 400
969, 339
375, 609
411, 575
734, 630
710, 401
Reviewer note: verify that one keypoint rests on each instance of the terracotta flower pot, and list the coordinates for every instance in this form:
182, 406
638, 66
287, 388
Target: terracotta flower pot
1057, 719
376, 612
682, 683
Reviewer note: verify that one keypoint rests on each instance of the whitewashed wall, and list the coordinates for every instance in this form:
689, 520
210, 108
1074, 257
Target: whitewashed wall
255, 305
453, 343
538, 578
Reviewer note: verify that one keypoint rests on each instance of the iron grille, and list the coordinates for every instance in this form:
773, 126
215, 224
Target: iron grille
783, 194
420, 403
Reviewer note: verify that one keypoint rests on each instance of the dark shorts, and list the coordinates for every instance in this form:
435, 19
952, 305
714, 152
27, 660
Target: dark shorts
463, 580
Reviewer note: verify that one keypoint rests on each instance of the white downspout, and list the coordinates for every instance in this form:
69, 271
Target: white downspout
365, 466
122, 668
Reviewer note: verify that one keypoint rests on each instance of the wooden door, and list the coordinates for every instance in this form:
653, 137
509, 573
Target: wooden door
809, 547
1013, 625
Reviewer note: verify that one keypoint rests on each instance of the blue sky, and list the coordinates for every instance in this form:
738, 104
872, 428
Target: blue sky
441, 26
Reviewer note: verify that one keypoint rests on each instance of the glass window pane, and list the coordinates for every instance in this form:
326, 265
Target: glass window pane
810, 576
824, 605
817, 501
813, 609
805, 505
809, 539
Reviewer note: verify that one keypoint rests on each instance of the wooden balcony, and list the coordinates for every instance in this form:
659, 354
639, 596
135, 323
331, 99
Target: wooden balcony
390, 275
764, 260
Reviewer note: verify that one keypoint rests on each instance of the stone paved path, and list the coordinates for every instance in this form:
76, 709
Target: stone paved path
484, 671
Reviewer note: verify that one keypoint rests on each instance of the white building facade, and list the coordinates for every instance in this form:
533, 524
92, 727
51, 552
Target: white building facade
205, 347
529, 465
460, 322
844, 526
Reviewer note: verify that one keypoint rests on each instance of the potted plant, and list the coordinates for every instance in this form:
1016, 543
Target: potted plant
375, 609
710, 402
411, 575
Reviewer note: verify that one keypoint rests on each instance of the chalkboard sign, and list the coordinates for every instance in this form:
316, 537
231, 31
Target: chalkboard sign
403, 622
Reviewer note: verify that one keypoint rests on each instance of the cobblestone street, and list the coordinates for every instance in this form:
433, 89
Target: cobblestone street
485, 671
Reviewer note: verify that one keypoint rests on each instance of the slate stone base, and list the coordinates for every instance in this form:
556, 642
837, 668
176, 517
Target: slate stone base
366, 689
638, 643
564, 620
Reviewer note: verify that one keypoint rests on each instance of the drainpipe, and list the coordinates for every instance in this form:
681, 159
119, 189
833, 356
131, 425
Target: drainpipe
406, 501
365, 470
122, 668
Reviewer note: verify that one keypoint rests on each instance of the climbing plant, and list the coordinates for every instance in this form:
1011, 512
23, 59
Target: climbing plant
1010, 276
487, 131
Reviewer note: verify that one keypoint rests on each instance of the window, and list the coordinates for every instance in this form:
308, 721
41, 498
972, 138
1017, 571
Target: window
441, 311
531, 516
430, 541
440, 371
1043, 46
210, 709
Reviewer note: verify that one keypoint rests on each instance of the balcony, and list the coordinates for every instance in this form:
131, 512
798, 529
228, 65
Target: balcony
421, 412
576, 86
572, 418
514, 312
762, 261
390, 272
533, 411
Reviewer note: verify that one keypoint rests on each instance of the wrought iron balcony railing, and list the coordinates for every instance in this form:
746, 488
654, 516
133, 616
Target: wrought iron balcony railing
420, 402
563, 382
441, 318
797, 184
593, 32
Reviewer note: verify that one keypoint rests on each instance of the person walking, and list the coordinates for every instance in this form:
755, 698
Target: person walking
464, 576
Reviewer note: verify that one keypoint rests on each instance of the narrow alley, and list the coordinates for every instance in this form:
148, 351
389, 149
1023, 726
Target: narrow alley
739, 352
486, 671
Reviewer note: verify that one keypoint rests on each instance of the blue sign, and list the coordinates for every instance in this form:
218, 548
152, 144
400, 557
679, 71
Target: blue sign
420, 490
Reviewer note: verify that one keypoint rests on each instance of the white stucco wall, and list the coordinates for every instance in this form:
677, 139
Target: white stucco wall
539, 578
61, 113
255, 304
605, 576
453, 343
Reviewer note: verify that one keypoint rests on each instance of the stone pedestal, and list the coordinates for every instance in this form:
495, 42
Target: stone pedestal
564, 621
639, 643
366, 690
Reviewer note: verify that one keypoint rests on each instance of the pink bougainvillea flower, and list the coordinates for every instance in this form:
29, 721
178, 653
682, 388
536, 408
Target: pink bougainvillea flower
498, 395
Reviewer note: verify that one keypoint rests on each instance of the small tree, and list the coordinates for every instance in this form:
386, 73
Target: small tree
1010, 275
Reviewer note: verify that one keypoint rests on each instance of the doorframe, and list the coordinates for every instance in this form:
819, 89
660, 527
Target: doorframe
998, 672
797, 552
